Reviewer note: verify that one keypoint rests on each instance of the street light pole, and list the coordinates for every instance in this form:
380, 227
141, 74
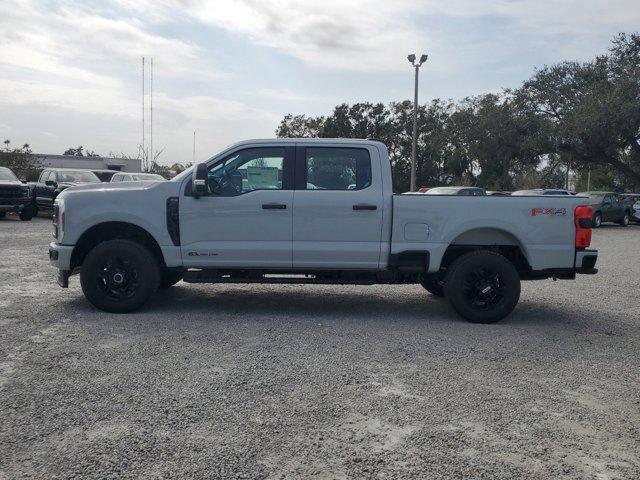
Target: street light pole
414, 145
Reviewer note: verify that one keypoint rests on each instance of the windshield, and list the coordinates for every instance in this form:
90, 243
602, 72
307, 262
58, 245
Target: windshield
526, 192
595, 197
77, 176
442, 191
6, 174
147, 176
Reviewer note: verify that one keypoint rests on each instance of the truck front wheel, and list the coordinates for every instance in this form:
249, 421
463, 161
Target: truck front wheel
168, 277
482, 286
28, 213
119, 276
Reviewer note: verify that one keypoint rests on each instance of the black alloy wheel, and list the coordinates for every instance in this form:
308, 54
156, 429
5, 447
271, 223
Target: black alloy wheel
482, 286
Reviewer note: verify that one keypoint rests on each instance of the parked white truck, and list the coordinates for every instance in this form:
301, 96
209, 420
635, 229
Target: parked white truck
312, 211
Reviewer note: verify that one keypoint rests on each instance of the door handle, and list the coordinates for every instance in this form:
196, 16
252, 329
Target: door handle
274, 206
362, 206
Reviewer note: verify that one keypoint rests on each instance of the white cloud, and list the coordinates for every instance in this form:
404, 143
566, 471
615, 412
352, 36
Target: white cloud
72, 61
67, 58
373, 35
365, 35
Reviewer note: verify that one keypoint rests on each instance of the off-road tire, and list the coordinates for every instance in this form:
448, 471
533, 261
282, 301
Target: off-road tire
27, 213
433, 285
140, 267
168, 277
466, 286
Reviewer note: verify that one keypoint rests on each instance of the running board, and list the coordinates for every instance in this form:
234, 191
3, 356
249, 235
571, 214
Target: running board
214, 276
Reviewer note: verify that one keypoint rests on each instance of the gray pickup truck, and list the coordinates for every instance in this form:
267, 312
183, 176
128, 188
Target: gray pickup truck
312, 211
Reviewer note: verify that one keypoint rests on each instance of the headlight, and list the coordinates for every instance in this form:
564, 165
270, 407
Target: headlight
59, 219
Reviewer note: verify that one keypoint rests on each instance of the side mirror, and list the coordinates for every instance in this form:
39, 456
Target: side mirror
50, 183
199, 180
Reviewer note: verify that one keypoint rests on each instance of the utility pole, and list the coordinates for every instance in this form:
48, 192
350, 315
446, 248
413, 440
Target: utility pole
144, 155
414, 146
151, 112
193, 160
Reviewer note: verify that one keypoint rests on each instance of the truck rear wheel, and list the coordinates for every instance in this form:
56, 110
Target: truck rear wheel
625, 220
119, 276
433, 285
482, 286
597, 220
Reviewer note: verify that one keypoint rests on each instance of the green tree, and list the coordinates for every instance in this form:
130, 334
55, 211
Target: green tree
75, 152
20, 160
300, 126
582, 116
594, 108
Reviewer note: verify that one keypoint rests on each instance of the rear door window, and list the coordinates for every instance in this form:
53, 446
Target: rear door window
332, 168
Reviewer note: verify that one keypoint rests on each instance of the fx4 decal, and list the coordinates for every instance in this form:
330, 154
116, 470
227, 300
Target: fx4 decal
553, 212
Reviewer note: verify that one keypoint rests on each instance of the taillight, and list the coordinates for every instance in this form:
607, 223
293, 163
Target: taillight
583, 215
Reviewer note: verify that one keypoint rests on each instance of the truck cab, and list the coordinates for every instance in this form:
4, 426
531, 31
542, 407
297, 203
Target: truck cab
312, 211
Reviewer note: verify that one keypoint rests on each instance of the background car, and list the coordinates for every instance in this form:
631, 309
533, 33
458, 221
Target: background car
15, 196
541, 191
608, 207
475, 191
137, 177
633, 202
52, 181
105, 175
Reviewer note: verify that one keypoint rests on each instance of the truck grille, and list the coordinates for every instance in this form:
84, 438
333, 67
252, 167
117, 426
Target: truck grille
13, 192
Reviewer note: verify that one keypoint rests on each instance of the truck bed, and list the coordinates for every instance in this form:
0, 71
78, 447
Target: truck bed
542, 226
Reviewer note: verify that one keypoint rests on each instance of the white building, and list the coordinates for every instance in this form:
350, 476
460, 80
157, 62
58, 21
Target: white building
89, 163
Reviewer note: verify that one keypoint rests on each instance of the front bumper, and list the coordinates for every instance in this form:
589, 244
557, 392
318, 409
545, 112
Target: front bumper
13, 204
586, 262
60, 255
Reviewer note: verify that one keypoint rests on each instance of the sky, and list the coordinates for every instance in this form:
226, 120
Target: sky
71, 73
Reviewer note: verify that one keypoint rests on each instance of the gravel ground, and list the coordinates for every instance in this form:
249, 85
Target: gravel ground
251, 381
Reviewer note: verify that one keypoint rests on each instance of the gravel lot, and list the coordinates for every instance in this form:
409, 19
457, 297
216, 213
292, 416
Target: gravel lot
251, 381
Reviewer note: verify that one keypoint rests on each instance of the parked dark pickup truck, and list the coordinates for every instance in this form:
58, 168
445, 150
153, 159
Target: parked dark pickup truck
609, 207
52, 181
15, 196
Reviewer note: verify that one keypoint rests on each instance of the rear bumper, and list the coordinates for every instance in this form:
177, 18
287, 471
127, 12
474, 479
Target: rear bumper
586, 262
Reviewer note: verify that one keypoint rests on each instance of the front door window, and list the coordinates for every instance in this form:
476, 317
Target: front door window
246, 171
